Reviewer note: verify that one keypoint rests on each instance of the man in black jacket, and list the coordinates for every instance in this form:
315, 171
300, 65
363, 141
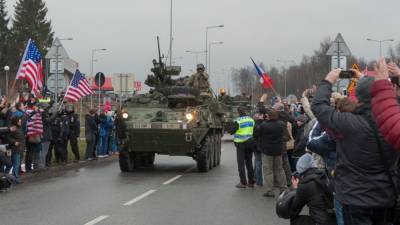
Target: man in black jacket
311, 190
74, 130
361, 182
270, 142
91, 131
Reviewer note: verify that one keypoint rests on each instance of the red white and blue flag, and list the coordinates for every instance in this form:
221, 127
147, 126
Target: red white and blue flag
34, 122
265, 79
78, 88
31, 67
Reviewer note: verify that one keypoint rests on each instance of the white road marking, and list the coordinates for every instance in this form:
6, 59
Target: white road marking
190, 169
172, 179
98, 219
140, 197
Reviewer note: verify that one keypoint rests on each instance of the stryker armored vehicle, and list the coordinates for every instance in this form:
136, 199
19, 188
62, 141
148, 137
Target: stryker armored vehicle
172, 119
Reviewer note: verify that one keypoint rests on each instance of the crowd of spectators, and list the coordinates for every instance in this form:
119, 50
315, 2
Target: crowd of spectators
333, 153
35, 133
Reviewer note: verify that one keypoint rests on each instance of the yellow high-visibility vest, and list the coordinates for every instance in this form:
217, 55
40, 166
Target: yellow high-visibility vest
245, 131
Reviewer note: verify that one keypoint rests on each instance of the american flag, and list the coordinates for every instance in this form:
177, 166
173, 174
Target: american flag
31, 68
78, 88
35, 122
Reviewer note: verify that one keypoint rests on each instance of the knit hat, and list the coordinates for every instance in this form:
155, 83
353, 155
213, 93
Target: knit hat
304, 163
278, 106
362, 90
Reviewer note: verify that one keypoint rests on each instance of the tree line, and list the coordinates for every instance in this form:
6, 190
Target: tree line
311, 70
29, 21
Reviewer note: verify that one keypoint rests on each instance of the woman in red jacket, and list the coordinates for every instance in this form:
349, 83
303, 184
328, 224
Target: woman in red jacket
385, 105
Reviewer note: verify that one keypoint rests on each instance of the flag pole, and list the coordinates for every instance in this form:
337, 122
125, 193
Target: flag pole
62, 101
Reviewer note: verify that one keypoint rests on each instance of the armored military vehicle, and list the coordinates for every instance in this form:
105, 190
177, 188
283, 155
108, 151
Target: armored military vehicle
172, 119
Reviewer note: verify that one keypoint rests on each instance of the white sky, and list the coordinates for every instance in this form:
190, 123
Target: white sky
264, 29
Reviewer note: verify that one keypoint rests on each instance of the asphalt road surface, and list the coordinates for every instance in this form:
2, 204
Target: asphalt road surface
171, 193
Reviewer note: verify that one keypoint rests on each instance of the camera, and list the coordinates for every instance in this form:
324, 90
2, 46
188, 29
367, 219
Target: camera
346, 74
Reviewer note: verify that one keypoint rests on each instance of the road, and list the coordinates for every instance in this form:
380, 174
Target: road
171, 193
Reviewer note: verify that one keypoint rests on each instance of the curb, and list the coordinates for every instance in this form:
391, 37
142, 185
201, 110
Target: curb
57, 170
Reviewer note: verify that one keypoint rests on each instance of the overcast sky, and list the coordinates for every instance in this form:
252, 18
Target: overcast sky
264, 29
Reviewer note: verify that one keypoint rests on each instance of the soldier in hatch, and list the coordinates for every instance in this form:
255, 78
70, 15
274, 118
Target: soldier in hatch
199, 80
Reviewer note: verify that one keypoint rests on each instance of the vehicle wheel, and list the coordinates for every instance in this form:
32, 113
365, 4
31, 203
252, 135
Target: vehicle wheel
219, 151
215, 150
203, 156
148, 159
126, 161
212, 152
137, 159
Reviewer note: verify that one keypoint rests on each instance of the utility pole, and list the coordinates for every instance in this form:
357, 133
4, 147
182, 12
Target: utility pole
170, 38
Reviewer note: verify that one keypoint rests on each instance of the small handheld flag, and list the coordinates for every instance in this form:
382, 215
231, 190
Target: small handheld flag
78, 88
265, 79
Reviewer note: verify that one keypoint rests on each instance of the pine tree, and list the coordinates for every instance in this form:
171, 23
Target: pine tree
30, 22
4, 34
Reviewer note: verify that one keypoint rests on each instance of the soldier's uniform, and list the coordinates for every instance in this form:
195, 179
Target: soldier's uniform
200, 80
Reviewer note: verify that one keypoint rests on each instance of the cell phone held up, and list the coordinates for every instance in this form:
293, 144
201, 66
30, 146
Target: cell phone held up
346, 74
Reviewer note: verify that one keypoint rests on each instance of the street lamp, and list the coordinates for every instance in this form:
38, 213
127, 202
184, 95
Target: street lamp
58, 45
209, 27
380, 43
196, 53
7, 68
91, 73
209, 50
285, 62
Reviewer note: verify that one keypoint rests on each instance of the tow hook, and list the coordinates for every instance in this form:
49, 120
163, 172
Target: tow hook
188, 137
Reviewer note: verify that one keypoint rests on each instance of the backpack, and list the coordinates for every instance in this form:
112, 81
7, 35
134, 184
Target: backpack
5, 183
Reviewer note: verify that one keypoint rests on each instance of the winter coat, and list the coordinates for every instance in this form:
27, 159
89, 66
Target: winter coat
324, 145
91, 128
300, 142
312, 191
360, 178
47, 123
74, 125
17, 136
386, 110
269, 135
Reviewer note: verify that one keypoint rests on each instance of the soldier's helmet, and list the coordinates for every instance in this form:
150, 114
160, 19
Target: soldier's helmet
200, 67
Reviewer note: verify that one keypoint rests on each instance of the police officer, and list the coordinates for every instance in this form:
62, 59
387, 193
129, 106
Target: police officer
74, 130
243, 139
60, 135
199, 80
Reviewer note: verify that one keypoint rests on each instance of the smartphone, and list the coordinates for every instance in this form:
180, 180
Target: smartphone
346, 74
395, 80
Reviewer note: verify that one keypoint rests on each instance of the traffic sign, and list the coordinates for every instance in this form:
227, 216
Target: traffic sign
52, 83
99, 79
339, 47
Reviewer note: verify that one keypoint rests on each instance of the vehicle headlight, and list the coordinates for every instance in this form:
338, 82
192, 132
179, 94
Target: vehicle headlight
189, 116
125, 115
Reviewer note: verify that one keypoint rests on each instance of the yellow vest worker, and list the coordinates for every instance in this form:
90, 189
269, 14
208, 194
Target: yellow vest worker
243, 139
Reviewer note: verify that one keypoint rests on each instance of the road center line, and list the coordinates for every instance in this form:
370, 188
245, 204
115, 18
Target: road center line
172, 179
138, 198
98, 219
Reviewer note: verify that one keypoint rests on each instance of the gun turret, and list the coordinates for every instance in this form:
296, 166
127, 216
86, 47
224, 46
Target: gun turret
161, 76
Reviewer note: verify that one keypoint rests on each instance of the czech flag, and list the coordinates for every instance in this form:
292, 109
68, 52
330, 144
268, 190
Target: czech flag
265, 79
